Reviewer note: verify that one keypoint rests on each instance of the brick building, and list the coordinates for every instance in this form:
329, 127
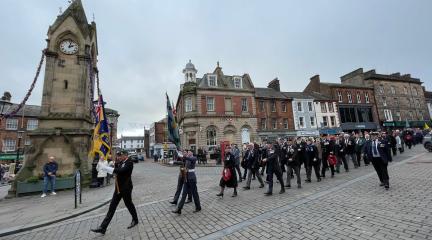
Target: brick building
215, 108
157, 134
356, 103
428, 99
274, 112
398, 97
14, 130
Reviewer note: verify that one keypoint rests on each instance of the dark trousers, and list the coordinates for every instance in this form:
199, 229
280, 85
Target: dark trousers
290, 171
358, 155
270, 179
127, 199
237, 167
180, 183
324, 164
381, 170
394, 150
190, 187
316, 168
332, 169
341, 160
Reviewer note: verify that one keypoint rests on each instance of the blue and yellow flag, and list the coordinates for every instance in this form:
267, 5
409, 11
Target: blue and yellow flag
101, 142
173, 131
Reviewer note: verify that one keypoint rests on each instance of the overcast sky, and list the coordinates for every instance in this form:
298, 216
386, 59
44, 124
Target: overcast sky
144, 45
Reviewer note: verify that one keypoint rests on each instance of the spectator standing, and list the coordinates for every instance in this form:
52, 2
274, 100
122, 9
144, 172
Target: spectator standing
50, 170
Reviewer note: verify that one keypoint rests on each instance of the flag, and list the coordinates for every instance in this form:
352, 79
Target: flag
101, 141
426, 127
173, 131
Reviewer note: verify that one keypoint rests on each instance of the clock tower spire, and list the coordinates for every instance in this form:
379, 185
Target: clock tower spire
65, 124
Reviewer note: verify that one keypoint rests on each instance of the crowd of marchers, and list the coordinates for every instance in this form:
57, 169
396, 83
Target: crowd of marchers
285, 157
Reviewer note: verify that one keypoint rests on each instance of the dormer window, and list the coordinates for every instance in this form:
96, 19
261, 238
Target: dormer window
237, 82
212, 80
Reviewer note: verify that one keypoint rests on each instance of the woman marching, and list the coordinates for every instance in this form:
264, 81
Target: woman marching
229, 176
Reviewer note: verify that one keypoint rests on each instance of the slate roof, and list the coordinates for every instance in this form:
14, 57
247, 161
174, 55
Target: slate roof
268, 93
319, 96
29, 110
299, 95
340, 85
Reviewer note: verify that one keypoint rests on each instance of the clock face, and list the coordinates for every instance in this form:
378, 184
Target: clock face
68, 47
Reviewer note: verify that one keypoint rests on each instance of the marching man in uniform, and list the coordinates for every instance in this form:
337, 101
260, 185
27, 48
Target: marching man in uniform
123, 189
378, 153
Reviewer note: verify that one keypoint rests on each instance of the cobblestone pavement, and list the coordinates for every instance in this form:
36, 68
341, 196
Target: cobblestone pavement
153, 182
349, 206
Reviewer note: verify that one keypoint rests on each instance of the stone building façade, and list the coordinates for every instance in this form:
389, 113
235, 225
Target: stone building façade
216, 108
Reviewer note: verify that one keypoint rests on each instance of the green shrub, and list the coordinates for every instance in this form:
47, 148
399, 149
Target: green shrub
33, 179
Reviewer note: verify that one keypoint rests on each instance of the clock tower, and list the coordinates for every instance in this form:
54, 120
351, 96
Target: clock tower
65, 124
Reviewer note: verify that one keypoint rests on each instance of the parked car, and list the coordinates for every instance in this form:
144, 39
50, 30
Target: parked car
141, 157
134, 158
427, 142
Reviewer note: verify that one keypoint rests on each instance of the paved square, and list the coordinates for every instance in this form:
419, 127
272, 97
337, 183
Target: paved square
350, 206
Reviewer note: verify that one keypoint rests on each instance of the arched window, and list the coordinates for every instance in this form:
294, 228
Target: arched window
211, 137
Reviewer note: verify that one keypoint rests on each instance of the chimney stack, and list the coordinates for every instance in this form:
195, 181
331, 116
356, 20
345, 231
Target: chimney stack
274, 84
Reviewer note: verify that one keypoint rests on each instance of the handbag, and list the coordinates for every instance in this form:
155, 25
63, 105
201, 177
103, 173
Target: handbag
331, 160
226, 174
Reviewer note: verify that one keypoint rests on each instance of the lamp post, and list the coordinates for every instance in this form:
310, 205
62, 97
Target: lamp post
20, 136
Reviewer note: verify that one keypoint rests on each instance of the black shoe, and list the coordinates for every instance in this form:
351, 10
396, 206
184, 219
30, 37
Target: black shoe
173, 202
99, 230
132, 224
240, 180
253, 178
308, 180
268, 193
319, 180
386, 187
282, 191
382, 184
219, 195
178, 211
261, 186
188, 201
299, 186
346, 170
288, 186
197, 210
246, 188
234, 194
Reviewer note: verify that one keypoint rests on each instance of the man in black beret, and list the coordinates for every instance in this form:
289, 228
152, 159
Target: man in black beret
123, 190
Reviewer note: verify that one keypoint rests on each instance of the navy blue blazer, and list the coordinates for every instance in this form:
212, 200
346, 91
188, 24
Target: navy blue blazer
382, 150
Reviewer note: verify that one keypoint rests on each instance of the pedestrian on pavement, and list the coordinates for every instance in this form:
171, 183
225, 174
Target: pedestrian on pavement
273, 167
312, 160
399, 143
102, 174
123, 190
378, 152
190, 183
181, 178
350, 149
252, 165
339, 150
229, 176
326, 148
50, 170
293, 163
236, 154
359, 143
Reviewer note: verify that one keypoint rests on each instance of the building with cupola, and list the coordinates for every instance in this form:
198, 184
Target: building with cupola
215, 108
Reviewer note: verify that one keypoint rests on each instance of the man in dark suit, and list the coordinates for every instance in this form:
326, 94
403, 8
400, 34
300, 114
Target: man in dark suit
180, 180
273, 167
251, 160
190, 184
340, 151
123, 189
377, 151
